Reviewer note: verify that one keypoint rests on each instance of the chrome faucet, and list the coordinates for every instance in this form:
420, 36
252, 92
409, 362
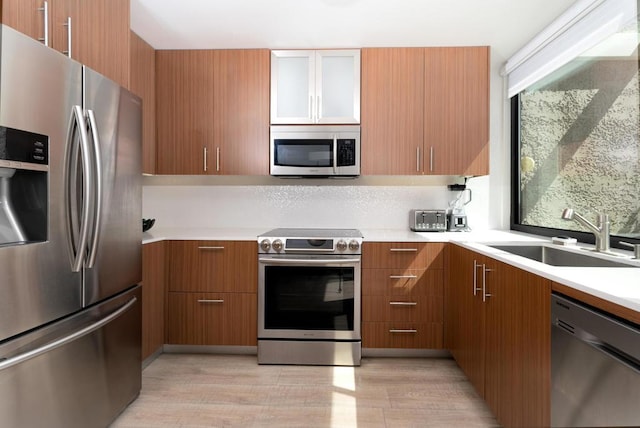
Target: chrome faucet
601, 230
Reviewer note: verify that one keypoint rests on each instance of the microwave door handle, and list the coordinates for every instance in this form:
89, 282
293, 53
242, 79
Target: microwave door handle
335, 154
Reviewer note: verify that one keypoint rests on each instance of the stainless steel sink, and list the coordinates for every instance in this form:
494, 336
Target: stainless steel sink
559, 257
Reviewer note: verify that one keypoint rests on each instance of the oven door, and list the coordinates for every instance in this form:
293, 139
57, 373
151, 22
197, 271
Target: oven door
309, 297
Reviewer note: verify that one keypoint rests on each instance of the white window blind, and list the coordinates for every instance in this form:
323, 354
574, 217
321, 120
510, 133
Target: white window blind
578, 29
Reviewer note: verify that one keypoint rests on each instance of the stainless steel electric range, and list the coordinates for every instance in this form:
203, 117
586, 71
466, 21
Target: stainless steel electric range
309, 297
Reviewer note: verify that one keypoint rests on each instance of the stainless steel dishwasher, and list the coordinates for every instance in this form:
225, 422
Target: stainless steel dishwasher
595, 367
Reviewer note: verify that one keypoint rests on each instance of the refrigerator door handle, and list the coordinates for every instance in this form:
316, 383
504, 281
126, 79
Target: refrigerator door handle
10, 362
78, 236
96, 171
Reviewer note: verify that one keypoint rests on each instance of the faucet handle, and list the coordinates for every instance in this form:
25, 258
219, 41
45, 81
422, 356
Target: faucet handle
636, 248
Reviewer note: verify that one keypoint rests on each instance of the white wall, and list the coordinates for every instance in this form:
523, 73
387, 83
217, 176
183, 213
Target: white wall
296, 205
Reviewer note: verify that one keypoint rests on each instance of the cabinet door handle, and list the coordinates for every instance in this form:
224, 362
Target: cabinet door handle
403, 276
431, 159
68, 25
210, 248
311, 108
404, 250
476, 265
403, 303
418, 159
217, 159
393, 330
485, 295
204, 155
318, 109
45, 11
210, 301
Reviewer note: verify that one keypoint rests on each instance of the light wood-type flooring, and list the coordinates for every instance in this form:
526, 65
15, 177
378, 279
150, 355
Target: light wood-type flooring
205, 390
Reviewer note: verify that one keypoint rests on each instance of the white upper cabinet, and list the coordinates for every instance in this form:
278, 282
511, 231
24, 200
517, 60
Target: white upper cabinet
315, 86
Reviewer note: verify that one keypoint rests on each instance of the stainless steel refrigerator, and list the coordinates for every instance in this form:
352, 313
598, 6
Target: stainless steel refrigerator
70, 240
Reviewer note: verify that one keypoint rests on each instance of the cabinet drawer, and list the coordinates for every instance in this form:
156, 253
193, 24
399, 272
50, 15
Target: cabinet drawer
212, 319
402, 335
397, 282
423, 309
213, 266
404, 255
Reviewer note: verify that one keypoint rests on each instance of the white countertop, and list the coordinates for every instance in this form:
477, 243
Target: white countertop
617, 285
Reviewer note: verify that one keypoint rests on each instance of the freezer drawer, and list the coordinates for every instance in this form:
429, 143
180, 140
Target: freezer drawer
79, 372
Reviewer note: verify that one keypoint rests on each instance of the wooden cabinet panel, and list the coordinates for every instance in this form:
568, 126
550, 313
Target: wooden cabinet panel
25, 16
143, 84
213, 111
153, 296
402, 335
405, 255
212, 319
408, 282
185, 98
392, 131
456, 110
503, 343
418, 308
518, 338
465, 316
241, 111
205, 266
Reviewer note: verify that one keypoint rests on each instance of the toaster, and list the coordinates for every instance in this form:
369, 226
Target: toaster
428, 220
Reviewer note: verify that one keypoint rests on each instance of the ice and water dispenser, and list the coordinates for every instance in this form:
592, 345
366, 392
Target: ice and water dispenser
24, 167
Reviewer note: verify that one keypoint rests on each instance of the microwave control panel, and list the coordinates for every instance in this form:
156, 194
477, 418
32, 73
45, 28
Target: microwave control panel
346, 152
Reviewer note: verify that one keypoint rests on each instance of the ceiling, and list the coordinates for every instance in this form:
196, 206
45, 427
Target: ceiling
505, 25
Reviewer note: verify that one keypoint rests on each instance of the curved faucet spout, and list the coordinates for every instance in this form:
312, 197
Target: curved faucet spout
600, 231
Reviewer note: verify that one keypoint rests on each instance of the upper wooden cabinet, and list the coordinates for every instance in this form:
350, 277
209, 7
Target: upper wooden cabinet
213, 112
143, 83
425, 111
95, 32
315, 86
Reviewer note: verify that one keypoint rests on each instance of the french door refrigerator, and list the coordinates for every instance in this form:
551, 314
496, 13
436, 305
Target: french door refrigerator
70, 308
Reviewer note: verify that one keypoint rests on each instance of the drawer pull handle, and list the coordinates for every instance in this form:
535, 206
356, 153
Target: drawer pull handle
210, 301
404, 250
403, 303
403, 276
403, 331
210, 248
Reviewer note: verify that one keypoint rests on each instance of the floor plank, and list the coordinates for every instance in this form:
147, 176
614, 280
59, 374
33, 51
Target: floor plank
205, 390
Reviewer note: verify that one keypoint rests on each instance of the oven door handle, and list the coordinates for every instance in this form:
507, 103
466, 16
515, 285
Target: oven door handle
306, 261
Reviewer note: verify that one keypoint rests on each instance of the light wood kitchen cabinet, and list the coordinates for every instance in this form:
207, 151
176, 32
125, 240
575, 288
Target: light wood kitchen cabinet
315, 86
143, 84
212, 112
212, 293
425, 111
212, 319
27, 16
99, 30
153, 296
402, 295
498, 330
456, 111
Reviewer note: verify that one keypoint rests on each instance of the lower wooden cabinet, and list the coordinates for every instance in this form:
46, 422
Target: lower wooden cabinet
498, 330
402, 295
212, 319
153, 295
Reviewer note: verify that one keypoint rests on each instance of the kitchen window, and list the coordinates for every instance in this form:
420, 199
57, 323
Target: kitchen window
576, 134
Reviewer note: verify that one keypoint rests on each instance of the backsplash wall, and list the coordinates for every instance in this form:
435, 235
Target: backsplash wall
365, 207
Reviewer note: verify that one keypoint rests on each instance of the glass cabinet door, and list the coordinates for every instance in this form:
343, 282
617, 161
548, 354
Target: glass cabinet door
315, 87
292, 77
338, 86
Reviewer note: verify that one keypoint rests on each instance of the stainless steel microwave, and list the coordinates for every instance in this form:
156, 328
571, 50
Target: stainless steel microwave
315, 151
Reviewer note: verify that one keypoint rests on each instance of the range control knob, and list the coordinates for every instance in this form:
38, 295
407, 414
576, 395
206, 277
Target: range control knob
265, 245
354, 245
341, 245
277, 245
